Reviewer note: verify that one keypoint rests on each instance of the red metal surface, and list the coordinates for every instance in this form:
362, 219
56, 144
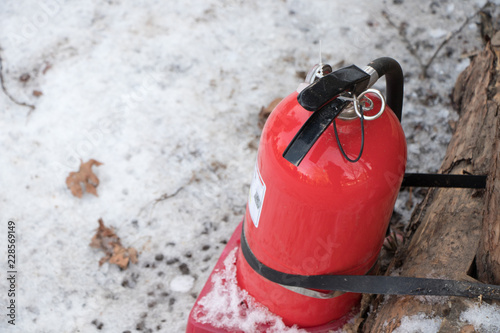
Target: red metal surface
327, 216
195, 326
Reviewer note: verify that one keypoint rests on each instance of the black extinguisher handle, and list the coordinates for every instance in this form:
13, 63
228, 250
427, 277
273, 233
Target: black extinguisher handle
321, 98
394, 82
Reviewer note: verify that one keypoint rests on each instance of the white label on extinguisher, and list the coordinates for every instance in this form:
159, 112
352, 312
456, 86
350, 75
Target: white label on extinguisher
256, 196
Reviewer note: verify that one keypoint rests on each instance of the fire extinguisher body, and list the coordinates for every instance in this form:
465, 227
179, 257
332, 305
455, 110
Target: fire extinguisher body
326, 216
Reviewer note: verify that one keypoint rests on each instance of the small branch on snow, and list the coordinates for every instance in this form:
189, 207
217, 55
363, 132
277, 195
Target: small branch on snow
6, 92
413, 51
163, 197
402, 33
166, 196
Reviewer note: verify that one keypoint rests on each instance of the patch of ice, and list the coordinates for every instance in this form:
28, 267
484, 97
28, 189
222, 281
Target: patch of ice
437, 33
182, 283
418, 323
230, 307
485, 318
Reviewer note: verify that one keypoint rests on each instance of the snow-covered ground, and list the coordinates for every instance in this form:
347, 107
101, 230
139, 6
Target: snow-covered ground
166, 94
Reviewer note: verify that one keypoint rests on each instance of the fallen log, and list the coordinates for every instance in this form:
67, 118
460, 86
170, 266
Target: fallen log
451, 226
488, 255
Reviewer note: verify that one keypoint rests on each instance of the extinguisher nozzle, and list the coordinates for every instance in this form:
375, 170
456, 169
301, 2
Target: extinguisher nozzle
394, 82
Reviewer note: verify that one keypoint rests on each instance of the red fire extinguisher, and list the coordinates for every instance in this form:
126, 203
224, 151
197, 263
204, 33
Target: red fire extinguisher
330, 164
324, 188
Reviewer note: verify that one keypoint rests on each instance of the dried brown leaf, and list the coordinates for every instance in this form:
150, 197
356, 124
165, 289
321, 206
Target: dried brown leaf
104, 259
84, 176
133, 254
121, 256
468, 329
106, 240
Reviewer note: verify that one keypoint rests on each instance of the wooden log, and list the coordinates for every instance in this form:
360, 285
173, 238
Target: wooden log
488, 255
451, 225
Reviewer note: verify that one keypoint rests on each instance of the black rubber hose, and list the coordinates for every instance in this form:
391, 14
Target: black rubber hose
394, 82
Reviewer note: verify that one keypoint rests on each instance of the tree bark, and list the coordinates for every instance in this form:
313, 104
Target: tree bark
488, 254
451, 225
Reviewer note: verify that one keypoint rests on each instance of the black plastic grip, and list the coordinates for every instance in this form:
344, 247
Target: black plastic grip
394, 81
347, 79
312, 129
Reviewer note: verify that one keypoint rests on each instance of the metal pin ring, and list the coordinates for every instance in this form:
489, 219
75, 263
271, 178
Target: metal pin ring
382, 106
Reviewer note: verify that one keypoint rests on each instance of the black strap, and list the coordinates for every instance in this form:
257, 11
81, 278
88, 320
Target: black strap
371, 284
436, 180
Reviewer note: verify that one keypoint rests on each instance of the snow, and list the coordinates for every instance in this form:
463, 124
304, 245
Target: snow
166, 95
182, 283
419, 323
230, 307
484, 317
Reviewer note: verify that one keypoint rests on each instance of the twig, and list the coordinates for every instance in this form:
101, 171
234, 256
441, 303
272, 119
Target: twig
163, 197
450, 36
402, 33
166, 196
412, 49
6, 92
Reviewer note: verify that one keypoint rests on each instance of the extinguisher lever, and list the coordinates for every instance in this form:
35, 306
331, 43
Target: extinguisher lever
321, 97
347, 79
312, 129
